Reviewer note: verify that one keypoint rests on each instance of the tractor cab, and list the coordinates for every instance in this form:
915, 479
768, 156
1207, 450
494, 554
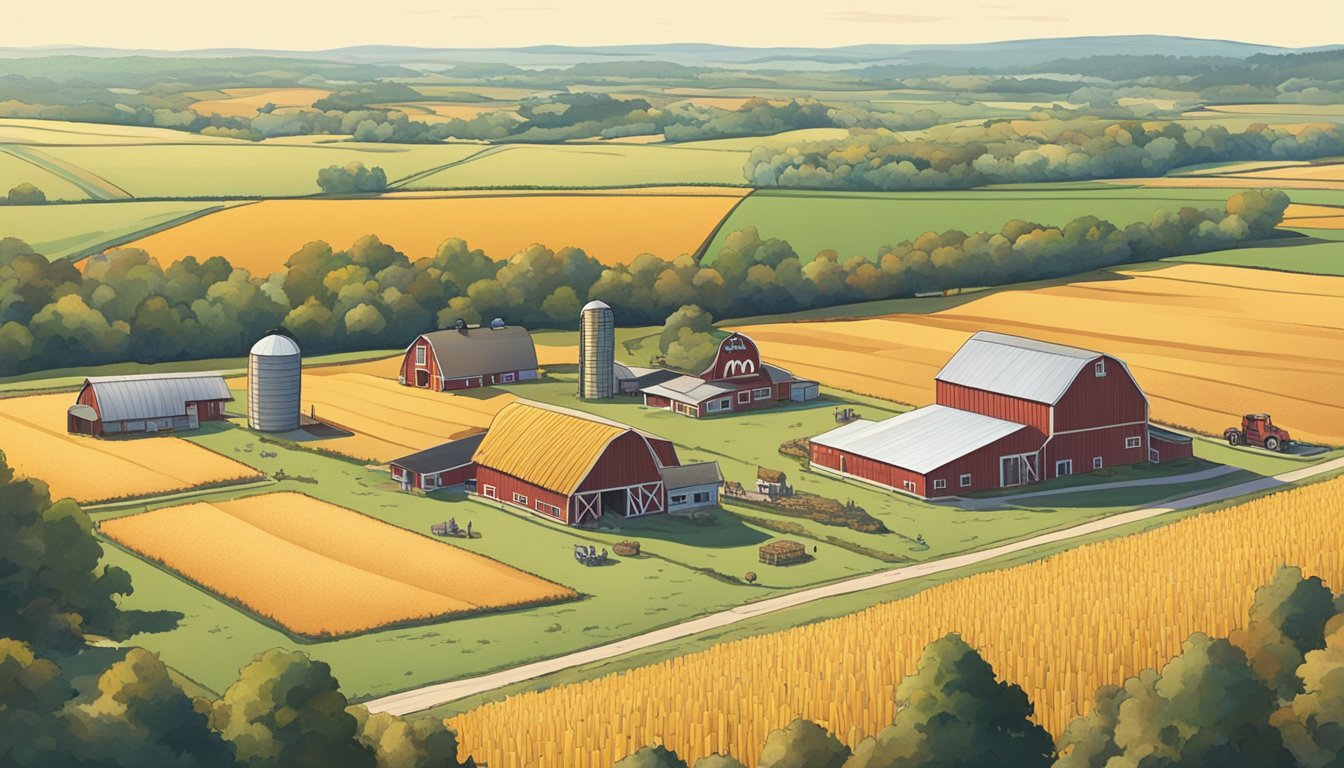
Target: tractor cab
1258, 429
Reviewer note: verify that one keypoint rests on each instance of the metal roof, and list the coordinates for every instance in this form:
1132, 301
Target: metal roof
154, 396
688, 475
1025, 368
476, 351
275, 345
595, 304
921, 440
547, 447
456, 453
688, 389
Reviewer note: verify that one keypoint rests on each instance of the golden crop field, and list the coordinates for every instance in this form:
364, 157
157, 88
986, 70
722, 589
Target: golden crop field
1206, 343
322, 570
90, 470
247, 102
1060, 627
389, 420
614, 228
1314, 216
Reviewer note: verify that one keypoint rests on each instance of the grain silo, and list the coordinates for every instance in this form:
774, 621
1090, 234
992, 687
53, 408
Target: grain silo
273, 384
597, 351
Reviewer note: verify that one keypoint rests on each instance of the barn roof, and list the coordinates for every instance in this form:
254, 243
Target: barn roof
688, 389
550, 448
275, 345
456, 453
154, 396
476, 351
1011, 365
691, 475
921, 440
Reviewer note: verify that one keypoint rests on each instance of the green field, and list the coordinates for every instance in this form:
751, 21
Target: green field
859, 223
59, 231
245, 169
15, 170
593, 165
1317, 256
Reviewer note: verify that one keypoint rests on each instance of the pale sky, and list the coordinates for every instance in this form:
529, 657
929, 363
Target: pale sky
320, 24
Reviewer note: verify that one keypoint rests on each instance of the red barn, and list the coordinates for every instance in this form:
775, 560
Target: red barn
442, 466
469, 356
163, 402
1010, 411
736, 381
571, 467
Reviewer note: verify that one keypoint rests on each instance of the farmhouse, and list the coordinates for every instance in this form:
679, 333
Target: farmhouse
467, 356
442, 466
573, 467
1010, 411
736, 381
112, 405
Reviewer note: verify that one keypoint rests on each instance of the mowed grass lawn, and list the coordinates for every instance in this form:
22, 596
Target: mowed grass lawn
321, 570
1207, 343
614, 228
87, 469
859, 223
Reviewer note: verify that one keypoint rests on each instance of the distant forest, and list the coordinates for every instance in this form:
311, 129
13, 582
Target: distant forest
125, 305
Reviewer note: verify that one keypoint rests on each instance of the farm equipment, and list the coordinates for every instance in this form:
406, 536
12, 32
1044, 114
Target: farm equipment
1258, 429
589, 555
451, 529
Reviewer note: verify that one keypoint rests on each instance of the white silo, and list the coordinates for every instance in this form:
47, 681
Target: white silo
274, 370
597, 351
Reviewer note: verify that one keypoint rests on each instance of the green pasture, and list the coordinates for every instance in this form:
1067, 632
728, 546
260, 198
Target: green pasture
16, 170
592, 165
77, 229
859, 223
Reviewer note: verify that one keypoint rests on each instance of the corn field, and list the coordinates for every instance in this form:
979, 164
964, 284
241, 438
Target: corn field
1059, 627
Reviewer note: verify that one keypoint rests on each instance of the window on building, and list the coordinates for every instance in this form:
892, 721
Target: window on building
1133, 442
1064, 468
508, 378
431, 481
1097, 462
519, 498
541, 506
939, 485
712, 406
965, 481
761, 393
702, 497
419, 355
488, 491
1100, 368
726, 404
744, 396
680, 498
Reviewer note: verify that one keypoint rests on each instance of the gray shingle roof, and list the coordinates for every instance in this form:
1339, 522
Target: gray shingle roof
154, 396
688, 475
476, 351
921, 440
452, 454
688, 389
1031, 370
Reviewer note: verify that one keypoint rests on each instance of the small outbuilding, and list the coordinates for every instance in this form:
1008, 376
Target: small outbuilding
147, 403
442, 466
468, 356
737, 380
772, 482
692, 486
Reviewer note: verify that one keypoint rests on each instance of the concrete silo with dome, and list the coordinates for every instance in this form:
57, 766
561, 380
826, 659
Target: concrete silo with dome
274, 384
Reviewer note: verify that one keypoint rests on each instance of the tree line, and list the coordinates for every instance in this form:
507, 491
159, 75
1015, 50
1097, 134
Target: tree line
125, 306
1030, 150
1269, 696
284, 710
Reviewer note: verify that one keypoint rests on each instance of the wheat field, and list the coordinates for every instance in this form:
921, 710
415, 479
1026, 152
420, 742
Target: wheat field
1206, 343
613, 228
90, 470
1059, 627
321, 570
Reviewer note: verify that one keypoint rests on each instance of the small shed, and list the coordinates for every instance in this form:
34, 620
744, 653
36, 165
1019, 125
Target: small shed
442, 466
783, 552
692, 486
772, 482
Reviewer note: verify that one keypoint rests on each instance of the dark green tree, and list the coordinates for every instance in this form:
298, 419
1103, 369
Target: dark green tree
425, 742
802, 744
1287, 620
1314, 728
32, 694
954, 712
27, 194
652, 757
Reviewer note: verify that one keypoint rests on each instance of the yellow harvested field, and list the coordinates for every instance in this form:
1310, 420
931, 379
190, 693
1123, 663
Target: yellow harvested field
1206, 343
612, 228
91, 470
247, 102
1059, 627
557, 355
1307, 110
1314, 216
1246, 181
322, 570
387, 419
1324, 172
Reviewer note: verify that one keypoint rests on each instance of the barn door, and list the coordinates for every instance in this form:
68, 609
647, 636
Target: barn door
644, 499
587, 506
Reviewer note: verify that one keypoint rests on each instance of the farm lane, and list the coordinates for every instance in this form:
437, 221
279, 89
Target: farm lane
420, 699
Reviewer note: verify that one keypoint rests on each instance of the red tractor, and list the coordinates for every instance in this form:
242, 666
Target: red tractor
1257, 429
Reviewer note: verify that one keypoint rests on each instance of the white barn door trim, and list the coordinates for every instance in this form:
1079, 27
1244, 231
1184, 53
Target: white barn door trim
587, 506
